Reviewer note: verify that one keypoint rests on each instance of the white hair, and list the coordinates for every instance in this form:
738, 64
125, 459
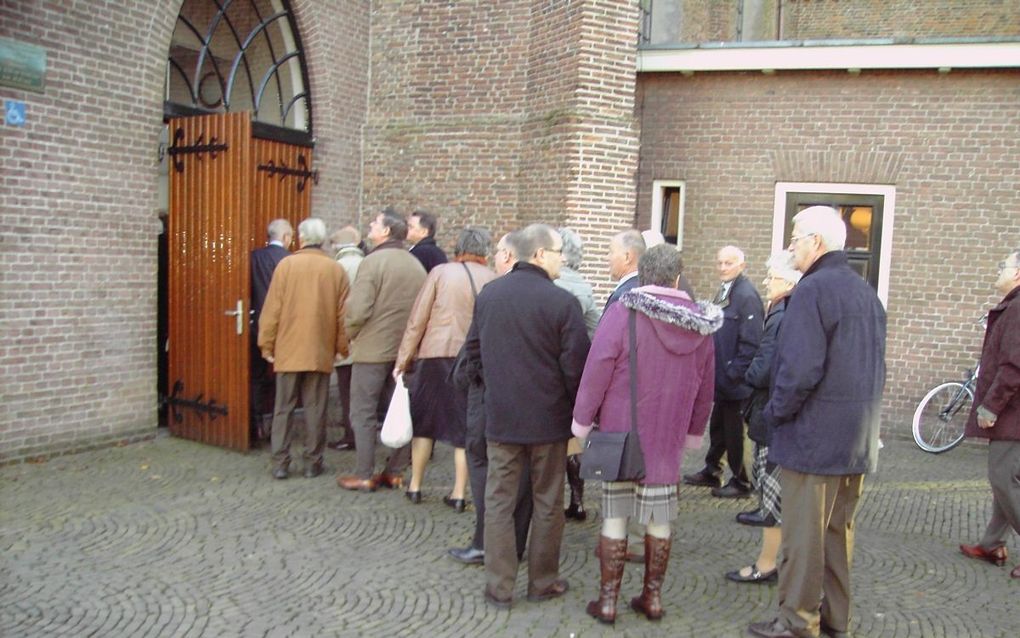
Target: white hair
733, 250
278, 228
312, 231
781, 263
825, 222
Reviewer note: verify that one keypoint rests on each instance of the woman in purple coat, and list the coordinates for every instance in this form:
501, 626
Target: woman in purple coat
675, 384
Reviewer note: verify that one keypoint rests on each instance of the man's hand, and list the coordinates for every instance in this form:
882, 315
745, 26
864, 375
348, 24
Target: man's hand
985, 418
984, 423
268, 357
338, 359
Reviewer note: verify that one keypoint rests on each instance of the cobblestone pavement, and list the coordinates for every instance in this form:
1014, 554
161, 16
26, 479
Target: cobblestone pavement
173, 538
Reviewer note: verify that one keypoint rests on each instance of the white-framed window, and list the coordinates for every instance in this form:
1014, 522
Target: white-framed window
668, 196
868, 211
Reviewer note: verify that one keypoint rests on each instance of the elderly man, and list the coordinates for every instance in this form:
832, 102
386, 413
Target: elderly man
735, 345
263, 262
388, 282
827, 383
995, 415
301, 332
421, 233
625, 250
529, 338
349, 255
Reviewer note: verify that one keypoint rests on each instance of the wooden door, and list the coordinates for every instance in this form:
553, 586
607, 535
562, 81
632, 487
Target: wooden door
282, 186
209, 242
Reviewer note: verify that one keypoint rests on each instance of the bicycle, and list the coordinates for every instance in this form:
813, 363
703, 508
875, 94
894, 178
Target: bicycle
941, 416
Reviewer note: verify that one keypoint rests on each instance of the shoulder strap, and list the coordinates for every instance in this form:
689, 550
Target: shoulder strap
474, 291
633, 370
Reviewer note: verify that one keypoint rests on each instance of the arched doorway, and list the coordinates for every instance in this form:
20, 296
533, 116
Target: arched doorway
237, 154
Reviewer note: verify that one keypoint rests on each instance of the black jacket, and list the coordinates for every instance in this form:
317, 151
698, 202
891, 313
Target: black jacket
530, 338
738, 339
828, 373
626, 286
759, 373
428, 253
263, 263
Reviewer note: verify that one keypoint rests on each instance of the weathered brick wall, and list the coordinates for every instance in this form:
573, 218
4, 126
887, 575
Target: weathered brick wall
949, 144
809, 19
78, 210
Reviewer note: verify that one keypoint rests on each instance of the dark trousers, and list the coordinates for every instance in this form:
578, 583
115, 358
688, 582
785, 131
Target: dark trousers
313, 389
506, 464
1004, 477
726, 435
261, 392
371, 388
478, 468
817, 550
343, 385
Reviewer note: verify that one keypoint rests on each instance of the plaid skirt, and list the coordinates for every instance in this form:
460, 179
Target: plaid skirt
766, 477
643, 503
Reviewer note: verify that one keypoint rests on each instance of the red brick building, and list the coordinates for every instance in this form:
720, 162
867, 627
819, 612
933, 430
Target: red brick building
709, 120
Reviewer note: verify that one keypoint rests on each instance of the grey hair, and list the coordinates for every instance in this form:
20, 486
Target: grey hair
473, 241
510, 242
346, 236
736, 251
278, 228
660, 266
825, 222
632, 241
531, 238
573, 248
312, 231
781, 263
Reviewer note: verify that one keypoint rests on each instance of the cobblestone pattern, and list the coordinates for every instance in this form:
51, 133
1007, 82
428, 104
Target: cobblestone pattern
172, 538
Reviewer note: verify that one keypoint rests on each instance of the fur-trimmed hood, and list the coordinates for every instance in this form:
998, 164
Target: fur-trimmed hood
680, 324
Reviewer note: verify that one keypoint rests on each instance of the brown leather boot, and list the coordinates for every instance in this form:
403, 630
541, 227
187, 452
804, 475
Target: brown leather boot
649, 602
576, 508
612, 558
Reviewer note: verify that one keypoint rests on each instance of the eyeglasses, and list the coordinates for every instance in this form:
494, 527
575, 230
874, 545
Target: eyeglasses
796, 238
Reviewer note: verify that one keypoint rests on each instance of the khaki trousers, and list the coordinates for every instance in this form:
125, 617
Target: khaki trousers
371, 388
506, 463
313, 388
1004, 477
817, 550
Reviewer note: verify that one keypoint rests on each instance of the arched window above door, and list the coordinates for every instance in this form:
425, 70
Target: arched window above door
239, 55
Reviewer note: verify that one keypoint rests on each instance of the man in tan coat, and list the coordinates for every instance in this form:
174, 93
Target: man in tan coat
387, 284
301, 332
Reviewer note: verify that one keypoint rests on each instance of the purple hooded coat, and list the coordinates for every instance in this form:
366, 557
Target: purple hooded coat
675, 381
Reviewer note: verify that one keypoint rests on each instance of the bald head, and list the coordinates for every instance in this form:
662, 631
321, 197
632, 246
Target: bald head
730, 263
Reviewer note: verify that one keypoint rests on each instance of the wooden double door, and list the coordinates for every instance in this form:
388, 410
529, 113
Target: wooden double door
225, 186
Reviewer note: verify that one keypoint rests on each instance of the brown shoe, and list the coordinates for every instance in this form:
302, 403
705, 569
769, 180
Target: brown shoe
351, 482
771, 629
557, 589
612, 558
995, 556
649, 602
391, 481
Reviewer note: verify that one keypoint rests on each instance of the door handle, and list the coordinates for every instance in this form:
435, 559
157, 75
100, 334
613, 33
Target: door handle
238, 314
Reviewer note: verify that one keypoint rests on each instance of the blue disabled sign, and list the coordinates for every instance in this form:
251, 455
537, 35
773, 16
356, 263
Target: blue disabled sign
14, 113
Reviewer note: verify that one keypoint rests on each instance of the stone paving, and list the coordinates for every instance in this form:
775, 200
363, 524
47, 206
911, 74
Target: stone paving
173, 538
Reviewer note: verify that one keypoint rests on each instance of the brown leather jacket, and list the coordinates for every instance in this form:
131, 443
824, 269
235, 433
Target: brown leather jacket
442, 312
998, 384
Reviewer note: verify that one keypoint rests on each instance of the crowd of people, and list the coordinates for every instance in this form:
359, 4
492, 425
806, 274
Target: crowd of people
514, 366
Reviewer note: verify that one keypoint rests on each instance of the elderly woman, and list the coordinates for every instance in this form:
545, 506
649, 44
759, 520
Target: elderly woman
572, 281
674, 341
435, 331
779, 283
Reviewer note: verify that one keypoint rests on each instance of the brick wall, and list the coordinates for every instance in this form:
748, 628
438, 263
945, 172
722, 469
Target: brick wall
949, 144
809, 19
78, 209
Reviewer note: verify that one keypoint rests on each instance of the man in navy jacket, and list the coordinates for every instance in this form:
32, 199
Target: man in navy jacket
735, 345
827, 381
529, 337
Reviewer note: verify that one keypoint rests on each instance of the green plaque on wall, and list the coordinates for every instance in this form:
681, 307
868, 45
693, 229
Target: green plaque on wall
22, 66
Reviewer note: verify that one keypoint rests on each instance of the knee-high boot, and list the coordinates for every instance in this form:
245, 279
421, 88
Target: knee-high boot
649, 602
612, 558
576, 508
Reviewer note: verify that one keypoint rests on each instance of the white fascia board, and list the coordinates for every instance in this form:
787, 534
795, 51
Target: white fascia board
807, 57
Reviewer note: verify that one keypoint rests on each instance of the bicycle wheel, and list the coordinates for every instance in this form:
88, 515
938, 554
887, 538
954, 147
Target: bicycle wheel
941, 416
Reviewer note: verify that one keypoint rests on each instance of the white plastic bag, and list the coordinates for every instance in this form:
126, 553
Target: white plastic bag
396, 429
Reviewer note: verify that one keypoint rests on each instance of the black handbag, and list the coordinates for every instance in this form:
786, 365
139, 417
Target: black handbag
616, 456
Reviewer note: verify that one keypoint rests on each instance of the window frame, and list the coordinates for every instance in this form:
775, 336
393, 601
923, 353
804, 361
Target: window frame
658, 187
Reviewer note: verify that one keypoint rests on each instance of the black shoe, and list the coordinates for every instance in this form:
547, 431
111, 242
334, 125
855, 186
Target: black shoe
576, 512
467, 555
457, 504
313, 470
754, 519
342, 445
414, 497
280, 473
733, 489
756, 576
704, 478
